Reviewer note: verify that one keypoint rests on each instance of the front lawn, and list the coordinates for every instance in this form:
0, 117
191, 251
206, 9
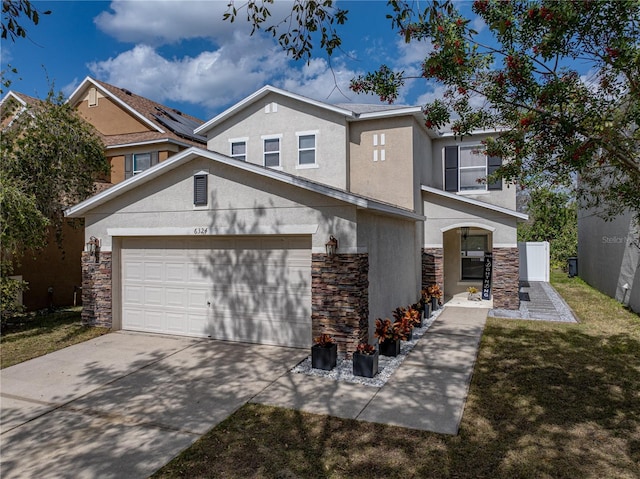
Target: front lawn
34, 335
547, 400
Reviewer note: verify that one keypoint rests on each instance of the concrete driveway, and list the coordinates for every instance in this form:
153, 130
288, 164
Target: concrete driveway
122, 405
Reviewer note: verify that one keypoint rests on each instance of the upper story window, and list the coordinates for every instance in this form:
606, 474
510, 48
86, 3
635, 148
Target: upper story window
272, 151
141, 162
138, 162
306, 149
239, 149
466, 167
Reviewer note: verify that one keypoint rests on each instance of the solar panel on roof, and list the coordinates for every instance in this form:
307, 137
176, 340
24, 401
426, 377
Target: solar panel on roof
180, 125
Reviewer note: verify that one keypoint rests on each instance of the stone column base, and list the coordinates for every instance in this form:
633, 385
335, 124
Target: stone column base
96, 290
506, 278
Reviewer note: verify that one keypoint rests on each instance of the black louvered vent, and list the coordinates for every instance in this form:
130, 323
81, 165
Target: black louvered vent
200, 190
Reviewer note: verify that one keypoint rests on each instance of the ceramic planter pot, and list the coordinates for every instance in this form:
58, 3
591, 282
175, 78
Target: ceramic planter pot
323, 357
365, 365
390, 347
434, 303
427, 310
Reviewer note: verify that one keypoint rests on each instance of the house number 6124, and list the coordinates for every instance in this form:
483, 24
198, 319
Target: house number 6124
200, 231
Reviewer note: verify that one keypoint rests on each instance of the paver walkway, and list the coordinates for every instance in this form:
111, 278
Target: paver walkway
538, 300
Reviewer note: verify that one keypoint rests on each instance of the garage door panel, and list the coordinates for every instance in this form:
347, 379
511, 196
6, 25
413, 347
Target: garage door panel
255, 289
154, 296
176, 297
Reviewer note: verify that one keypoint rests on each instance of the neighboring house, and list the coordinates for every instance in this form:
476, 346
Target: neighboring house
229, 242
137, 133
609, 255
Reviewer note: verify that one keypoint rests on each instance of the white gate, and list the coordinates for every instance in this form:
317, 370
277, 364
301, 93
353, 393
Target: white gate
534, 261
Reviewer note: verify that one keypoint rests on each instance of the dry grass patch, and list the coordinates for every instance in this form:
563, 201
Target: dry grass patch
34, 335
547, 400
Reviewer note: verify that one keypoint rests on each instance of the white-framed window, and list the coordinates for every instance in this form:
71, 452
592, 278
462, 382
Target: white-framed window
306, 148
238, 148
141, 162
271, 151
466, 167
472, 251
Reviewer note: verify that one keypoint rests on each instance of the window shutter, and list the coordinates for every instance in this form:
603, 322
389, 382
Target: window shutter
493, 163
128, 166
200, 190
451, 168
154, 158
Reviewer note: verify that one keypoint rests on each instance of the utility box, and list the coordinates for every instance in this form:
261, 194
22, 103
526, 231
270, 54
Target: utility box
573, 267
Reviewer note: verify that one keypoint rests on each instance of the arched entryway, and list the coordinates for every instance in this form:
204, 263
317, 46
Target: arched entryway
464, 248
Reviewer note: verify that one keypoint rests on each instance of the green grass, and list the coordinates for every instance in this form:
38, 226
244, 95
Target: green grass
547, 400
34, 335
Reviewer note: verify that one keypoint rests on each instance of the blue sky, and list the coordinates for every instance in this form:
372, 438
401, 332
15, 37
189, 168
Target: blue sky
182, 54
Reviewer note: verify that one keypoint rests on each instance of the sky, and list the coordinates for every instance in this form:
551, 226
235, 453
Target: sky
184, 55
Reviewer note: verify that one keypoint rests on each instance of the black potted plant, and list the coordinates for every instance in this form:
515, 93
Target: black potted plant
425, 299
403, 323
365, 361
324, 353
388, 337
435, 293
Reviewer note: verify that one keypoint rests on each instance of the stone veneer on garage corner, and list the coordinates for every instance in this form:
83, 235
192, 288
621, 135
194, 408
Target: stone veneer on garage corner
340, 298
96, 290
432, 267
506, 278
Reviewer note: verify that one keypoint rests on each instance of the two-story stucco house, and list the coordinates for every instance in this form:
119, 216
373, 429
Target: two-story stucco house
229, 241
137, 133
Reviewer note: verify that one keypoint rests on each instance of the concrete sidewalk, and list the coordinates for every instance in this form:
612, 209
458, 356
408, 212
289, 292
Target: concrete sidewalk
428, 391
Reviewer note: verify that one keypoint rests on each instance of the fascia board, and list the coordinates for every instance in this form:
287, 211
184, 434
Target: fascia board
264, 91
390, 113
173, 162
73, 98
148, 142
13, 95
471, 201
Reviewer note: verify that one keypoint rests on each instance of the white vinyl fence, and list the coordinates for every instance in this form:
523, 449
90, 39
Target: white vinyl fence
534, 261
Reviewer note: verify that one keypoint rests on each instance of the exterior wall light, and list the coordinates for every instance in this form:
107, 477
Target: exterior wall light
331, 246
93, 247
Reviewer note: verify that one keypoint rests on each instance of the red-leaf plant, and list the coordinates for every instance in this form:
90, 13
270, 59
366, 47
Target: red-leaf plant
324, 341
365, 348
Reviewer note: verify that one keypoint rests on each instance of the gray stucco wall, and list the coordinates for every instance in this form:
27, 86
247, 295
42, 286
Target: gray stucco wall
394, 263
290, 117
240, 203
609, 256
446, 213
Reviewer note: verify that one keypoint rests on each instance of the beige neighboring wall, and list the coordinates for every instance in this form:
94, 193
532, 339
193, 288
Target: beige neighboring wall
107, 117
278, 115
381, 162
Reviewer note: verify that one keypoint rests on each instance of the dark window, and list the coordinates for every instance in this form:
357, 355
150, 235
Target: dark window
200, 190
493, 163
451, 168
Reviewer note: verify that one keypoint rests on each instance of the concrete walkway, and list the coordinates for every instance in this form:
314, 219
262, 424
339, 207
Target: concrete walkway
428, 391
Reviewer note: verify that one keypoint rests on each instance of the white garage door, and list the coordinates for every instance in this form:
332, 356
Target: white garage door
254, 289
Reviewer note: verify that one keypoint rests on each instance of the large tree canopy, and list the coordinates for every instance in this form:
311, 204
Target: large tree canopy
560, 78
49, 159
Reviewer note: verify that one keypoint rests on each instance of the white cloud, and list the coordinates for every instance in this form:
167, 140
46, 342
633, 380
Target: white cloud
161, 22
212, 78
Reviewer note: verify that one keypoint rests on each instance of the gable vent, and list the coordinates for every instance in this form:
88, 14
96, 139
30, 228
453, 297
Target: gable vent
200, 190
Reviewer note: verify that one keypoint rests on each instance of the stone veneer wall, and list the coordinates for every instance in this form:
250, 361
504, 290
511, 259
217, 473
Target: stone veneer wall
340, 298
96, 290
433, 267
506, 278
